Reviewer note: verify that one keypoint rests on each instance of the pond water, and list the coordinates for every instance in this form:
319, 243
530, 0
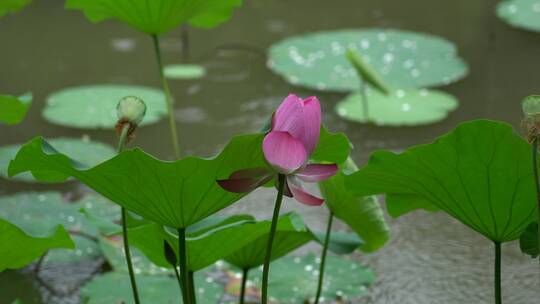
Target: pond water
431, 258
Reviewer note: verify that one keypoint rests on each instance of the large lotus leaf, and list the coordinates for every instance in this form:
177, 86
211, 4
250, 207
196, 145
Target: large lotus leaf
294, 279
399, 108
175, 194
94, 106
114, 287
362, 213
42, 211
87, 151
13, 109
403, 59
207, 247
523, 14
19, 248
12, 6
480, 174
157, 16
528, 242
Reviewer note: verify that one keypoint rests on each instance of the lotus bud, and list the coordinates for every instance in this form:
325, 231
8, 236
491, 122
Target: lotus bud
531, 111
130, 111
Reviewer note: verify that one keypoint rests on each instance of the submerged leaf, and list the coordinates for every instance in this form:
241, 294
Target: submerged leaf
403, 59
294, 279
157, 16
362, 213
523, 14
13, 109
528, 242
94, 106
152, 289
19, 249
184, 71
399, 108
480, 174
36, 212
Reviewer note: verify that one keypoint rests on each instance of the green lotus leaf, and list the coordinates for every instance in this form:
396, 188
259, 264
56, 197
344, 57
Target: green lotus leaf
403, 59
340, 242
20, 249
86, 151
528, 242
13, 109
524, 14
184, 71
480, 174
12, 6
152, 289
399, 108
363, 214
294, 279
36, 212
157, 16
94, 106
175, 194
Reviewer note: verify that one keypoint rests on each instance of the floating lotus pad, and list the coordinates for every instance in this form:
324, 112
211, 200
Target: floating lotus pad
35, 213
294, 279
403, 59
84, 151
401, 107
152, 289
184, 71
94, 106
523, 14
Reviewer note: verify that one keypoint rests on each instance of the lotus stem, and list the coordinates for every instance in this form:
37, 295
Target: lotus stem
184, 36
191, 282
498, 290
245, 273
121, 144
536, 181
275, 216
365, 101
183, 265
323, 257
168, 97
178, 278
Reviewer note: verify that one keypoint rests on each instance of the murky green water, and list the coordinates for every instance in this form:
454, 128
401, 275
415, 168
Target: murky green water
431, 259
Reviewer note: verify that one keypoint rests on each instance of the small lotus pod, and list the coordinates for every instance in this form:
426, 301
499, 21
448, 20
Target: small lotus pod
531, 110
130, 111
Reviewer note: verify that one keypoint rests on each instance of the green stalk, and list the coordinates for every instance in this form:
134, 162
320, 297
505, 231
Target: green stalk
183, 265
323, 256
498, 292
245, 273
191, 282
536, 180
168, 96
365, 101
121, 145
275, 216
178, 277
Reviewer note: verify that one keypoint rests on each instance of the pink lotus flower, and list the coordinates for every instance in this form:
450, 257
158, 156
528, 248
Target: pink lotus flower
287, 147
